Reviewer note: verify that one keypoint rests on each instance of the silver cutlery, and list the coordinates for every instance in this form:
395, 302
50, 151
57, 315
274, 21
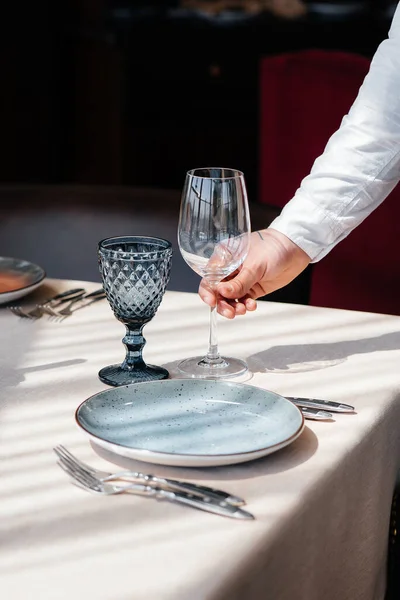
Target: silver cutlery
81, 301
69, 460
315, 414
38, 311
91, 483
321, 404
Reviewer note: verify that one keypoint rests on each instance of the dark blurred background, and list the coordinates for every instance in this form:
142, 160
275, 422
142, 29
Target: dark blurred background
127, 93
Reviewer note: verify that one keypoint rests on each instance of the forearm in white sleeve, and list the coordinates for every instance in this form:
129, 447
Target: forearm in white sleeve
360, 164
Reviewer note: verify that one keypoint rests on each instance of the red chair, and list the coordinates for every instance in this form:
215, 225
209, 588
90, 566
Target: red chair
303, 97
363, 271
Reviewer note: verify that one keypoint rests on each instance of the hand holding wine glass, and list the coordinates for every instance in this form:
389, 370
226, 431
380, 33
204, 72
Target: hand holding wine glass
214, 236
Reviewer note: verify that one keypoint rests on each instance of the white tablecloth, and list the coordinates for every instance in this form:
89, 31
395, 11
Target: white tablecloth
322, 504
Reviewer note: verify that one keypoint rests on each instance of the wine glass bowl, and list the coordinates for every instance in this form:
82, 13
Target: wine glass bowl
214, 222
135, 272
214, 237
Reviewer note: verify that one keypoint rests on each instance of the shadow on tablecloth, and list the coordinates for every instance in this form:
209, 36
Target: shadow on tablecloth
298, 358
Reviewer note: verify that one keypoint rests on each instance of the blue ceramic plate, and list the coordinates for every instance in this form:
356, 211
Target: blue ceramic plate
31, 276
190, 422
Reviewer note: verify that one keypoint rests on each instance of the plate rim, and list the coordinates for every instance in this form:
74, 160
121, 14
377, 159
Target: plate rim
187, 456
41, 276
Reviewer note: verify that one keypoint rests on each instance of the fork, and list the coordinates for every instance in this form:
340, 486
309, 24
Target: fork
94, 484
39, 309
67, 310
91, 483
68, 460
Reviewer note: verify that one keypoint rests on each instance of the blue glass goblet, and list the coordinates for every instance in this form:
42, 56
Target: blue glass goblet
135, 271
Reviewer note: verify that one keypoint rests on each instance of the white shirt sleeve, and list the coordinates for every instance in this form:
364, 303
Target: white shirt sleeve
360, 164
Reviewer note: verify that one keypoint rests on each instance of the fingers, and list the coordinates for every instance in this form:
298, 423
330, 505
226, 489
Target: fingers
239, 286
236, 308
250, 304
206, 294
228, 306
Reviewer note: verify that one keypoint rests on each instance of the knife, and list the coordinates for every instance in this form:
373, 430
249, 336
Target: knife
222, 508
218, 507
321, 404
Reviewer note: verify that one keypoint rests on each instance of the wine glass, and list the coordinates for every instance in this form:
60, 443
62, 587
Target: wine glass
214, 237
135, 271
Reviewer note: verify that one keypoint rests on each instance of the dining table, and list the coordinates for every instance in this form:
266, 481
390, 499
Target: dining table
321, 505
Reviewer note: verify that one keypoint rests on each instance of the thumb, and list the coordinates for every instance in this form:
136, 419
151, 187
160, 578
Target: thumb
237, 287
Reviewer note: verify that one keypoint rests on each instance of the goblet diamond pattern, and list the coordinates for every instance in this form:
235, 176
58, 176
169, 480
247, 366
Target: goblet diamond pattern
135, 290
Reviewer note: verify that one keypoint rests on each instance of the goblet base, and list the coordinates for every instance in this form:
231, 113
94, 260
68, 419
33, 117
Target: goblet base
199, 368
115, 375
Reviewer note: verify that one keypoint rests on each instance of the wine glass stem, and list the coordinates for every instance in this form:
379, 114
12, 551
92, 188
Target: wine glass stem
213, 354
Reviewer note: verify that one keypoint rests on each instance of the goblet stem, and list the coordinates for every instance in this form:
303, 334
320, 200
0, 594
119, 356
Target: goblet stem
133, 368
134, 343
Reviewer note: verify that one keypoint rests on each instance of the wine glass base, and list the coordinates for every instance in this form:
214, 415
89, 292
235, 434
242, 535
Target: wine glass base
115, 375
198, 368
